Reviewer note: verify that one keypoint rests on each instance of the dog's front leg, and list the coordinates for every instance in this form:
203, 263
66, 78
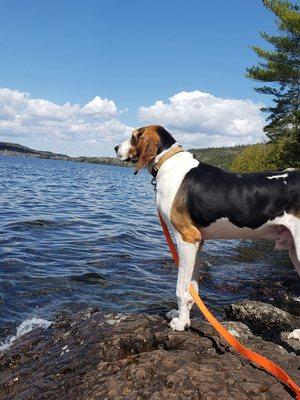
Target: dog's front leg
187, 256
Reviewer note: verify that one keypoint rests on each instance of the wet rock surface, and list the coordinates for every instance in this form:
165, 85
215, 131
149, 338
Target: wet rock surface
90, 355
270, 322
262, 316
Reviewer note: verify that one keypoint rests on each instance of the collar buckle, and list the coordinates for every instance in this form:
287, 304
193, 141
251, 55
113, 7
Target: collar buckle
154, 171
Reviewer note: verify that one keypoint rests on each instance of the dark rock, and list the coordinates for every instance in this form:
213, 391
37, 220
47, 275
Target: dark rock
90, 355
291, 342
270, 322
262, 316
238, 329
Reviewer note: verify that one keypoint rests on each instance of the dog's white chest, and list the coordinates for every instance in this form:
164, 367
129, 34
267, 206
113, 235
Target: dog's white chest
169, 179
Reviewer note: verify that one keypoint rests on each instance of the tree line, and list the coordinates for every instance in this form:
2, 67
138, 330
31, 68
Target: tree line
278, 70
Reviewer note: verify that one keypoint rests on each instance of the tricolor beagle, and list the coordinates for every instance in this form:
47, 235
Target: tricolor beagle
201, 202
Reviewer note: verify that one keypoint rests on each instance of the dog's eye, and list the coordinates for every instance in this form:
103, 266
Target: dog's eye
135, 138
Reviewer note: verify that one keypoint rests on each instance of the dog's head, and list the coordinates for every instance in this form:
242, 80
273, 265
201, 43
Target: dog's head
144, 145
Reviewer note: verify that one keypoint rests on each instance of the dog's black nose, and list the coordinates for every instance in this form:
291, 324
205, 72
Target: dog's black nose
116, 148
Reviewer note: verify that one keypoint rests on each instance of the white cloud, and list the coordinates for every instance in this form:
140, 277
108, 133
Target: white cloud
203, 120
101, 107
195, 118
22, 116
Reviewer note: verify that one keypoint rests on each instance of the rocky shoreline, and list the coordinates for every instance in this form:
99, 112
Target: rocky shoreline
91, 355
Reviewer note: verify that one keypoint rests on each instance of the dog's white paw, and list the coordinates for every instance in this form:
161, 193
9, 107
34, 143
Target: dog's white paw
178, 324
172, 314
295, 334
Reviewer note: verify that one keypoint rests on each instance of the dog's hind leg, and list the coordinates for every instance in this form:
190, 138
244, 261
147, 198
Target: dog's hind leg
294, 252
294, 255
289, 238
294, 248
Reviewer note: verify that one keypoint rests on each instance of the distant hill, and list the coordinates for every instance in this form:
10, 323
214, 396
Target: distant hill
219, 156
103, 161
14, 149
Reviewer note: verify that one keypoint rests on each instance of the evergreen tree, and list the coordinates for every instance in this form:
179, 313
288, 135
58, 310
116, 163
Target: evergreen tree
280, 67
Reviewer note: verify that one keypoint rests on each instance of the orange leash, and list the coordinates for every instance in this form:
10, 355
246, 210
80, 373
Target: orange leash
256, 358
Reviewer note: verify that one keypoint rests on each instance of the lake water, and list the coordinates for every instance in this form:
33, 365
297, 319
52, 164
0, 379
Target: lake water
74, 235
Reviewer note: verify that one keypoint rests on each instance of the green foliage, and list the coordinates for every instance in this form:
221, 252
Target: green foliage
280, 67
102, 160
219, 156
285, 153
254, 158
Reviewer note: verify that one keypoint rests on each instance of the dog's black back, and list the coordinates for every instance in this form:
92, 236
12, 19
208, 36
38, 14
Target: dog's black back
247, 200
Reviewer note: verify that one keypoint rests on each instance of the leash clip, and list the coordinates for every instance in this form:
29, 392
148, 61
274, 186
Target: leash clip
153, 183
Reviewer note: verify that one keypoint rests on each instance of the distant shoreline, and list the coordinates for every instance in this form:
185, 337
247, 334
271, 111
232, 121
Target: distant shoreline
14, 149
219, 156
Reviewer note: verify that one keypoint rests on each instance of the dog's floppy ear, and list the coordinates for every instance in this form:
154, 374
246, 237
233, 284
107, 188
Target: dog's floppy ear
148, 146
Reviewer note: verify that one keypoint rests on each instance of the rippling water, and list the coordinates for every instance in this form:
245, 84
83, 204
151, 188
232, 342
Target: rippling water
74, 235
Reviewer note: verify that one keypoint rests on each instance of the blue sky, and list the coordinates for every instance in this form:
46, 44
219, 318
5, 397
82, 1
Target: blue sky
132, 53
